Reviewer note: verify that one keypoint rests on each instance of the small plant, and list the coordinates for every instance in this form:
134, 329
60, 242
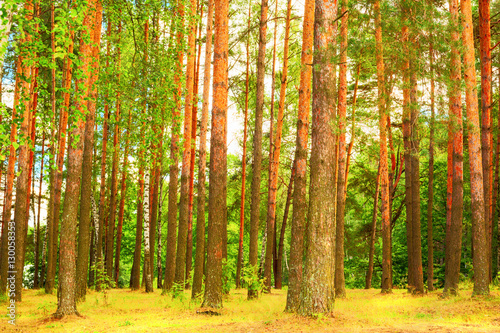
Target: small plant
178, 291
125, 323
103, 282
251, 278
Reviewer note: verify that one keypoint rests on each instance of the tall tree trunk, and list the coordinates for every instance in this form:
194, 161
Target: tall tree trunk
159, 281
102, 192
56, 195
341, 189
121, 211
180, 259
257, 149
495, 192
318, 291
10, 176
36, 282
430, 192
373, 234
84, 233
202, 161
453, 240
353, 127
415, 189
239, 262
479, 232
278, 276
189, 245
114, 171
486, 135
174, 151
384, 177
147, 219
273, 188
21, 208
135, 275
217, 210
300, 182
67, 267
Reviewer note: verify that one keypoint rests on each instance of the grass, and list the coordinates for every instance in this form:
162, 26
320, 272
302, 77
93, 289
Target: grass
361, 311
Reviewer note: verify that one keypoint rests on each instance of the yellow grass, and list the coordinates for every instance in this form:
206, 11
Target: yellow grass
362, 311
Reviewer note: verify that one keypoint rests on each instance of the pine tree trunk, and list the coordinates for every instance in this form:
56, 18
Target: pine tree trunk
495, 195
273, 188
202, 161
36, 282
114, 173
278, 276
174, 152
22, 200
10, 176
239, 262
84, 233
384, 177
194, 120
318, 290
67, 267
180, 259
217, 210
430, 192
299, 193
453, 240
56, 194
121, 211
479, 232
340, 291
257, 149
373, 234
486, 134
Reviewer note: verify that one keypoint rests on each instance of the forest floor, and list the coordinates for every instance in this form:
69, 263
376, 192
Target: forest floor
121, 310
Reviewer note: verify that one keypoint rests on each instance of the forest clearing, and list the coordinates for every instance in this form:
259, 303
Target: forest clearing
216, 165
362, 311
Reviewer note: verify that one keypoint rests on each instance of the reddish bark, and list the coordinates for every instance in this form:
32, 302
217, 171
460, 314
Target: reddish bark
479, 232
384, 177
486, 134
257, 148
217, 210
239, 261
202, 161
180, 260
299, 193
373, 233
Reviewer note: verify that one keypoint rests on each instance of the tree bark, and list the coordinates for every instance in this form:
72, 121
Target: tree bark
239, 262
180, 259
340, 291
430, 192
67, 267
384, 177
318, 291
257, 149
10, 176
147, 219
373, 234
217, 210
36, 282
453, 241
174, 152
479, 232
84, 233
202, 161
278, 276
121, 211
300, 182
486, 134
